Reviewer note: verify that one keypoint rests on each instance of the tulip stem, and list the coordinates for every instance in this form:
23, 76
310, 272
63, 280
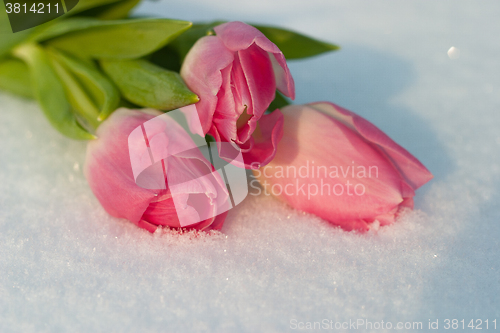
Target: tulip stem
80, 102
78, 98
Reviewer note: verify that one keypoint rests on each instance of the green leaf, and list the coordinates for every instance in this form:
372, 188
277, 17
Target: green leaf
8, 39
118, 10
148, 85
167, 57
295, 45
84, 5
50, 93
15, 78
77, 96
101, 91
62, 27
119, 39
106, 10
279, 102
90, 9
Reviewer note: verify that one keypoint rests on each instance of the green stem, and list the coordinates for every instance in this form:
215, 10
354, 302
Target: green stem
79, 100
77, 96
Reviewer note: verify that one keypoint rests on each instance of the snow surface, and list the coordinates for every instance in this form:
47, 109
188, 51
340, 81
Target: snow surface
66, 266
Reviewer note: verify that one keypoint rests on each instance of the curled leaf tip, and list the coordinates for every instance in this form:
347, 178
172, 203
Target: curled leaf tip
195, 99
332, 47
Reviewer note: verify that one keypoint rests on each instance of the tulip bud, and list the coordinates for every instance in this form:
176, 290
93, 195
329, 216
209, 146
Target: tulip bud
235, 74
191, 196
340, 167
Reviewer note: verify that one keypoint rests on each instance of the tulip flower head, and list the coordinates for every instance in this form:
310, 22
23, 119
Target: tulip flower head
180, 189
337, 165
235, 74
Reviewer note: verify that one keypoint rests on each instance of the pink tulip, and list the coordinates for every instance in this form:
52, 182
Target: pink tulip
110, 175
340, 167
236, 73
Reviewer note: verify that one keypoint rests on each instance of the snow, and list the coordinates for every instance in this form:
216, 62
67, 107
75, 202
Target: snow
424, 72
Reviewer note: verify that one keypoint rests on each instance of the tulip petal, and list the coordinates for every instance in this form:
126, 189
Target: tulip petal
146, 225
265, 140
218, 221
165, 212
282, 75
257, 67
260, 149
239, 36
161, 211
350, 225
108, 169
414, 172
245, 122
226, 113
201, 70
